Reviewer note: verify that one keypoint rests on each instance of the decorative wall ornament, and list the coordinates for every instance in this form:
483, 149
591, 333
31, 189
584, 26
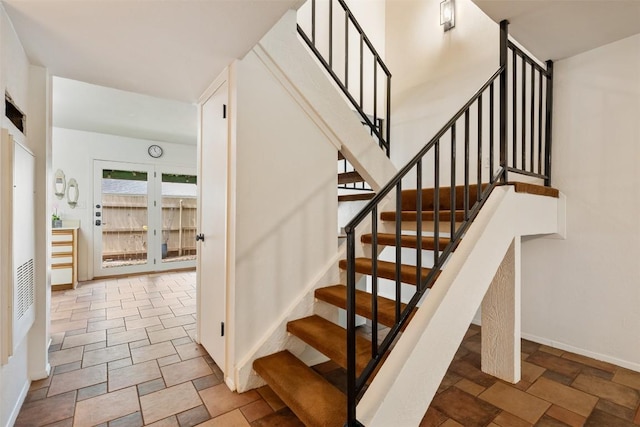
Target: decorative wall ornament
72, 193
59, 184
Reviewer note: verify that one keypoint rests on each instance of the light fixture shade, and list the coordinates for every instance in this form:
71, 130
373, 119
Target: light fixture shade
447, 14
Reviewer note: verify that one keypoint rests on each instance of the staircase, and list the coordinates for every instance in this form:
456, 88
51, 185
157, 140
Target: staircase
312, 398
431, 222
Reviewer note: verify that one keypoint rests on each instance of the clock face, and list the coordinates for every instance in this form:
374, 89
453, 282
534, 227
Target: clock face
155, 151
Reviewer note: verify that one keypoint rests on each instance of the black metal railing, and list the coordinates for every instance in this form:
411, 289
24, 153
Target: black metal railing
338, 44
454, 174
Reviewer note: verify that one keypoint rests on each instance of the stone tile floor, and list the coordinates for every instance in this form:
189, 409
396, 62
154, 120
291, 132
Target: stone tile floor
122, 354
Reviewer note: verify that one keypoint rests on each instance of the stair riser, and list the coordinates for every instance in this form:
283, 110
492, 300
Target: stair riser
409, 198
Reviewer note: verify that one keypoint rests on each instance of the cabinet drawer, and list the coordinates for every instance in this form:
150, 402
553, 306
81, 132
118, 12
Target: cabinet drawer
61, 276
64, 259
62, 237
62, 249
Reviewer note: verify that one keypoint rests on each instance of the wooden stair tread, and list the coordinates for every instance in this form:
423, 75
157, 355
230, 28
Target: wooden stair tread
330, 340
337, 295
387, 270
406, 241
540, 190
340, 155
313, 399
356, 197
445, 215
349, 178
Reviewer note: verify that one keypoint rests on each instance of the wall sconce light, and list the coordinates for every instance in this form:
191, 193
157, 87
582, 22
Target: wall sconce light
447, 14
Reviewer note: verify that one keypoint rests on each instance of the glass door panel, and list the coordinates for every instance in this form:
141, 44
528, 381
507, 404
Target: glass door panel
179, 215
125, 218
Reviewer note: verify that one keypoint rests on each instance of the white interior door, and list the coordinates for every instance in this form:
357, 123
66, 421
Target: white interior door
213, 225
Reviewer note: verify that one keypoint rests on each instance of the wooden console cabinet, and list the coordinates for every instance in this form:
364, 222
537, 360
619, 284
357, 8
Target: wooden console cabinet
64, 258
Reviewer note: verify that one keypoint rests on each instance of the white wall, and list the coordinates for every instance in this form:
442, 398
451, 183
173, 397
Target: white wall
286, 203
74, 152
434, 73
28, 87
582, 293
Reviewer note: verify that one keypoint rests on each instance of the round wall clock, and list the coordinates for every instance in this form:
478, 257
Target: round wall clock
155, 151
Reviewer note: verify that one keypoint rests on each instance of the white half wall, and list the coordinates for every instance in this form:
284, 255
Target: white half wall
582, 294
286, 203
74, 152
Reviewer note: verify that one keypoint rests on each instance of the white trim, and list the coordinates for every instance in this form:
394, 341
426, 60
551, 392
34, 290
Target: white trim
211, 89
592, 354
16, 409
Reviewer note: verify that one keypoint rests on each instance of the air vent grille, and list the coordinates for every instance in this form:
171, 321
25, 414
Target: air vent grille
25, 288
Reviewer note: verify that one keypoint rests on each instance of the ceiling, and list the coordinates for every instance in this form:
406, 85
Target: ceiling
557, 29
92, 108
169, 49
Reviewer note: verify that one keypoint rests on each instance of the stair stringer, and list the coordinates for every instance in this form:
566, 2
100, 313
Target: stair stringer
401, 392
293, 65
304, 304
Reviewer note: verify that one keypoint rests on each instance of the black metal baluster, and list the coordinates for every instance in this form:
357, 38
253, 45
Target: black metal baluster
346, 49
532, 118
491, 136
479, 166
524, 114
374, 282
515, 110
388, 116
331, 34
313, 22
452, 190
375, 93
539, 123
419, 225
398, 249
436, 201
351, 327
465, 201
362, 69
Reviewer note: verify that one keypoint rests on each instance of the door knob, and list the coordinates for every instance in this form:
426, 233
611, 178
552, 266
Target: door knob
200, 237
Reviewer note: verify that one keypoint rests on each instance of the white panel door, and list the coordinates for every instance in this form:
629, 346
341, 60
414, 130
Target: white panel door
213, 225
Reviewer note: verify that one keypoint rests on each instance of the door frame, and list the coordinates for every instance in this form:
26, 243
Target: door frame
154, 219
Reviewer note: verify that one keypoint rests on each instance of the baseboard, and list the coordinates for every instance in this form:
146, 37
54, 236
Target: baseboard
16, 409
592, 354
577, 350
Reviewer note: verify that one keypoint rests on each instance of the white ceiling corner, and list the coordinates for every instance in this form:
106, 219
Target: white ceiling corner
558, 29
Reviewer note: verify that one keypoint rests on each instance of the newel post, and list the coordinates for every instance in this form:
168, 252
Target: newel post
548, 128
504, 37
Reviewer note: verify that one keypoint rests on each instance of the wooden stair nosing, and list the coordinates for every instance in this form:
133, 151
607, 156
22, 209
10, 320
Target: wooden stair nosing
387, 270
330, 340
349, 178
406, 241
356, 197
337, 295
315, 401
